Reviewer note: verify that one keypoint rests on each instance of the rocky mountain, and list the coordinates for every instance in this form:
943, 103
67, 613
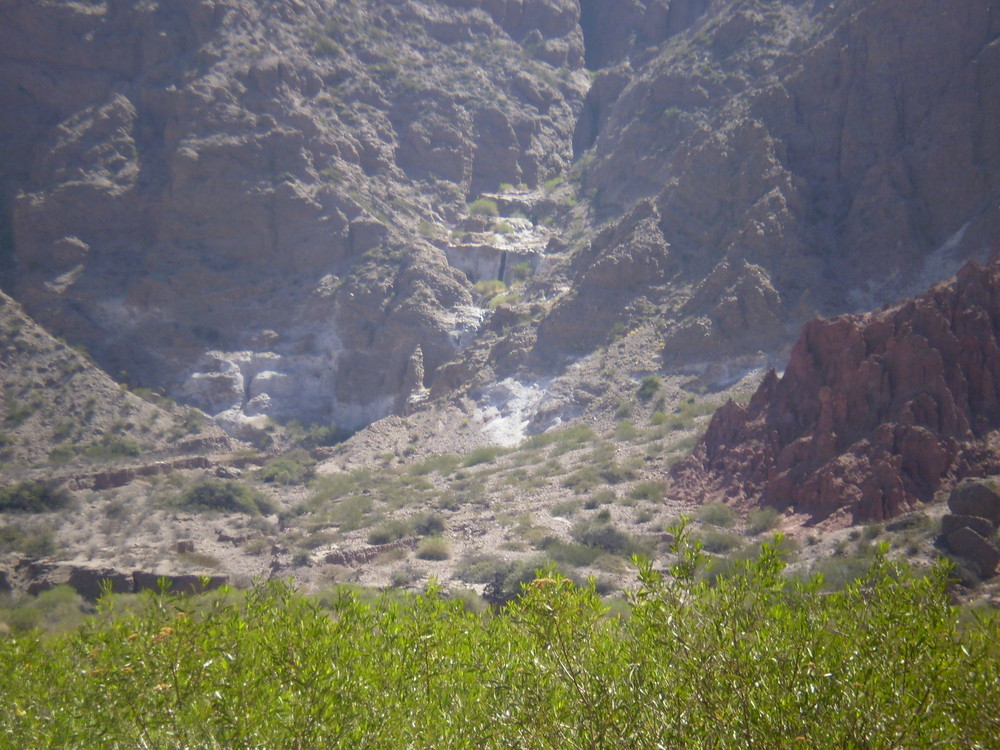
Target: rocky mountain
280, 209
58, 407
873, 415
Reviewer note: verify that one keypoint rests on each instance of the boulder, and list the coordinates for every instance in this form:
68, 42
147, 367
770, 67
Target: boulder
979, 551
976, 497
951, 523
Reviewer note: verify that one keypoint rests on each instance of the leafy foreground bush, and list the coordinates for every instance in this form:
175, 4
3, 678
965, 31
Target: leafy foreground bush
754, 660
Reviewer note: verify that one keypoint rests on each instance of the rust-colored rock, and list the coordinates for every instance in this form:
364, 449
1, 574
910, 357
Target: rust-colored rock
873, 414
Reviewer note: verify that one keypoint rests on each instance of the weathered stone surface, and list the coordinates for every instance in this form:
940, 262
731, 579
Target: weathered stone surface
981, 552
781, 146
873, 414
982, 526
178, 177
36, 576
90, 582
976, 497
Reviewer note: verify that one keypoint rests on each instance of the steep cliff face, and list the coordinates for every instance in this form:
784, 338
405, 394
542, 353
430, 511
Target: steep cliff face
222, 197
873, 414
800, 158
263, 207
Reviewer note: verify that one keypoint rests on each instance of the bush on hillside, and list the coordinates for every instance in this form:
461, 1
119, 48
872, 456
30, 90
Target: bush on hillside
34, 496
225, 495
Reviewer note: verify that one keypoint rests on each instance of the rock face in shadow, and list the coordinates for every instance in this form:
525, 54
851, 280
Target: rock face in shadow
873, 414
238, 201
221, 197
793, 139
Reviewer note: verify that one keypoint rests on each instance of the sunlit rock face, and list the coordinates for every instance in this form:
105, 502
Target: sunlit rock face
264, 207
873, 414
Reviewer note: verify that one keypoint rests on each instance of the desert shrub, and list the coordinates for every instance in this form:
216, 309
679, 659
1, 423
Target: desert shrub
434, 548
225, 495
490, 287
652, 491
62, 454
198, 560
483, 455
388, 532
872, 530
351, 513
567, 439
717, 514
649, 387
838, 571
623, 408
522, 271
484, 207
503, 227
625, 430
33, 496
763, 519
599, 498
33, 542
294, 468
719, 542
583, 479
314, 435
426, 524
565, 509
571, 553
604, 535
441, 464
111, 447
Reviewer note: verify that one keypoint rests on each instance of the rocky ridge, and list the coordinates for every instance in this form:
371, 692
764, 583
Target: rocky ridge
59, 407
873, 415
223, 198
264, 208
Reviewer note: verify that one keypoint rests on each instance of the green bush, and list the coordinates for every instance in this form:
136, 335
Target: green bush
652, 491
426, 524
763, 519
434, 548
484, 207
387, 532
604, 535
294, 468
649, 387
717, 514
112, 446
225, 495
720, 542
751, 660
33, 496
483, 455
32, 542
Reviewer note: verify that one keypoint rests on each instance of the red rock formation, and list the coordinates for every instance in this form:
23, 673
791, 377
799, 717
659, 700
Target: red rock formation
874, 413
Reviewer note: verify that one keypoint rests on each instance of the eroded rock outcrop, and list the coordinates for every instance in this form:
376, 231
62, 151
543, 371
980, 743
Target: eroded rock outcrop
873, 414
791, 139
970, 530
221, 197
